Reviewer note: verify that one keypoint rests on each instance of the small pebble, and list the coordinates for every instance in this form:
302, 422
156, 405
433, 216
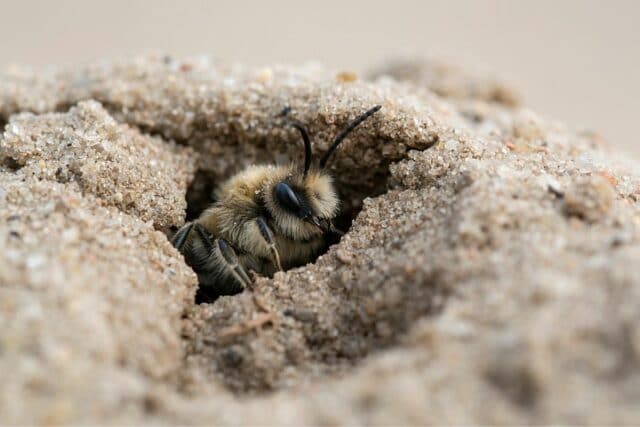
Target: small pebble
344, 256
589, 198
346, 77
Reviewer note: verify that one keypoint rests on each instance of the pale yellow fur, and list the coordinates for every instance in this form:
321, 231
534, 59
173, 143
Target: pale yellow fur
233, 215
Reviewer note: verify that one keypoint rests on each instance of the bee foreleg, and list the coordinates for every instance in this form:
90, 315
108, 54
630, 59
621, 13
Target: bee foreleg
233, 264
178, 240
267, 235
214, 260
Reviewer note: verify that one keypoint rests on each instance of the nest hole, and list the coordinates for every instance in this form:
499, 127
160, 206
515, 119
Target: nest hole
201, 195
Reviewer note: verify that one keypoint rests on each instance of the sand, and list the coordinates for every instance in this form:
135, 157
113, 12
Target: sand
489, 274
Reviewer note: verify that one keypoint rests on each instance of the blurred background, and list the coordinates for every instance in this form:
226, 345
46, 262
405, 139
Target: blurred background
576, 61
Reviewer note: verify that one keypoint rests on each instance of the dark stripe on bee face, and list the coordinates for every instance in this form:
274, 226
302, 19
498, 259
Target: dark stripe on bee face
294, 202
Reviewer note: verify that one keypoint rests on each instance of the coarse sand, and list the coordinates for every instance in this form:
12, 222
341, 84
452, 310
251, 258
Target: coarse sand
489, 274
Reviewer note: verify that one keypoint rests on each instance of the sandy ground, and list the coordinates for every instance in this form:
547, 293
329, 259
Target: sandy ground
488, 275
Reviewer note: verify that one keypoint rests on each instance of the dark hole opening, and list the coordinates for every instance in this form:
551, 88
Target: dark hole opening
201, 194
11, 163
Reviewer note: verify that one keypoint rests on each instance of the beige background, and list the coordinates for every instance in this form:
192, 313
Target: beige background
573, 60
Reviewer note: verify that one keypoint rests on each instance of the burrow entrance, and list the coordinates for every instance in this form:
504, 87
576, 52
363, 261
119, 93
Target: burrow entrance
201, 194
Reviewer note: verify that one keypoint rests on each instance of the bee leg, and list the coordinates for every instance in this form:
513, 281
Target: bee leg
267, 235
232, 263
178, 240
332, 229
229, 256
213, 260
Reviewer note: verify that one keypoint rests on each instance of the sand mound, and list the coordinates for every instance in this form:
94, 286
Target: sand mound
488, 274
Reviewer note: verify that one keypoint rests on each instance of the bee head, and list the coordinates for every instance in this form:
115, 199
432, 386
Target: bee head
310, 196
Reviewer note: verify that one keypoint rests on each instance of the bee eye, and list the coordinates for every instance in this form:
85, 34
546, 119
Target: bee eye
287, 198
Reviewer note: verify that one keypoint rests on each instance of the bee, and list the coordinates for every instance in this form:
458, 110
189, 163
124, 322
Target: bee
266, 218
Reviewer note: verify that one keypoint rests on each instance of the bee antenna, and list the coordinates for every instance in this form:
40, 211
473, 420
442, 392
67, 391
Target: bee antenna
307, 145
346, 131
305, 138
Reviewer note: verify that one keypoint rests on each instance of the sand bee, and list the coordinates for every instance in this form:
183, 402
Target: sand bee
266, 218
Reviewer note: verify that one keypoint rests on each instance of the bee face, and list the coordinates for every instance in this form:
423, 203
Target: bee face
303, 204
291, 201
